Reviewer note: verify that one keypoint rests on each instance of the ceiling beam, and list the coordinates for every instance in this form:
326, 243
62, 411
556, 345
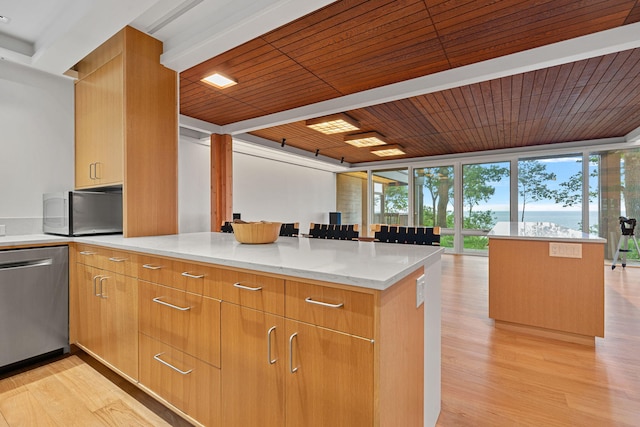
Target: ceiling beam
212, 36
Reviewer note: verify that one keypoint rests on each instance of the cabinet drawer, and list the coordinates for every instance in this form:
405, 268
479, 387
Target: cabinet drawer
190, 277
186, 321
340, 309
184, 381
120, 262
252, 290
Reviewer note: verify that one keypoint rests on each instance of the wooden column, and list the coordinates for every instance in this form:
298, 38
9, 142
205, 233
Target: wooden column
221, 180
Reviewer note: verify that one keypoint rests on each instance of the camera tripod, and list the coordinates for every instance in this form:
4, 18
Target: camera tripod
627, 227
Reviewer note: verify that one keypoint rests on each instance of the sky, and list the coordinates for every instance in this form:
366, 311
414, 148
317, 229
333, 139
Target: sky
563, 168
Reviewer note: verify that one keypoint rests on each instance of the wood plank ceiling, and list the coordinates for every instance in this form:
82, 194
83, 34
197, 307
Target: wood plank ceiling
354, 45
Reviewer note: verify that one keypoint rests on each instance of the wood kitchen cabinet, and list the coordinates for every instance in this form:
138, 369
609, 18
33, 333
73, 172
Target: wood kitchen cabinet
180, 336
108, 317
100, 127
282, 372
254, 359
330, 378
230, 347
126, 124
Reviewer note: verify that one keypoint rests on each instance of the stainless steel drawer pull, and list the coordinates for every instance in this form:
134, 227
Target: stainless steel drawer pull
117, 259
324, 304
193, 276
87, 253
157, 357
291, 368
25, 264
176, 307
152, 267
271, 361
95, 291
247, 288
102, 295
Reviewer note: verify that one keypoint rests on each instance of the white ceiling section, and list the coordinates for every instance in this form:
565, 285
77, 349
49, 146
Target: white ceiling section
53, 35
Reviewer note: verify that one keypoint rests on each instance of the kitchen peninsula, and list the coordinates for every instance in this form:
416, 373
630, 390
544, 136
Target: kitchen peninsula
298, 332
547, 279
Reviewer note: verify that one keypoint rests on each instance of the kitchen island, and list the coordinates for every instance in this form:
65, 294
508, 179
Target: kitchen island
547, 279
298, 332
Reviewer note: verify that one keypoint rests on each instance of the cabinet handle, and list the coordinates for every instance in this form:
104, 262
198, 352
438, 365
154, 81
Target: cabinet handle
247, 288
193, 276
87, 253
271, 361
157, 357
95, 292
324, 304
117, 259
159, 301
101, 289
92, 174
152, 267
291, 368
96, 169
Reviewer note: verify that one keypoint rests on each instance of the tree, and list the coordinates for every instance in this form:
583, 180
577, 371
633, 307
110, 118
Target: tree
396, 198
439, 184
532, 182
477, 186
569, 192
631, 185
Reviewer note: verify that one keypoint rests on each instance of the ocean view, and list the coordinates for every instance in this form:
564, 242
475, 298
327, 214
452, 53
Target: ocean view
571, 219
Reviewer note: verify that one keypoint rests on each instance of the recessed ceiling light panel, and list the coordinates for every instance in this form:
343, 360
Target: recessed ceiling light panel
387, 151
335, 123
367, 139
219, 81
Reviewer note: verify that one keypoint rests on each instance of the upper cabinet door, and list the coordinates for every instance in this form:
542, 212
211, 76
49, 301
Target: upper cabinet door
100, 126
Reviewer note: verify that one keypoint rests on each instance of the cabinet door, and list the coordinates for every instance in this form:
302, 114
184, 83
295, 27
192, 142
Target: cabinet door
253, 359
100, 126
119, 296
329, 380
90, 316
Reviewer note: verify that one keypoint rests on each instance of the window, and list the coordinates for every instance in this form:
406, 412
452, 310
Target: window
433, 200
391, 197
550, 190
485, 200
618, 195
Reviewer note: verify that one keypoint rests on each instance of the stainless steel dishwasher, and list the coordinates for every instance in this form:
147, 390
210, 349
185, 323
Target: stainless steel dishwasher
34, 303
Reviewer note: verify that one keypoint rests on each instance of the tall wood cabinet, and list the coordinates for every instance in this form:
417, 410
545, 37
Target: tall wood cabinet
127, 130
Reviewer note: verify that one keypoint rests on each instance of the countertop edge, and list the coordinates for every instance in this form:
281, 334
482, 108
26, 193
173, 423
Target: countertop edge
341, 279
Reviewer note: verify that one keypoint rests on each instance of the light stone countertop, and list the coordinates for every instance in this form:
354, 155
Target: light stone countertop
364, 264
32, 239
541, 231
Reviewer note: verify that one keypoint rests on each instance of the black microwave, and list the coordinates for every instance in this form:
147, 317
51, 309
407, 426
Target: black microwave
82, 213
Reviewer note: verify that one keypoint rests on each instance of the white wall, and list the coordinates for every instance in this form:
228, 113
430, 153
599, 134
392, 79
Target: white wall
194, 189
263, 189
36, 141
278, 191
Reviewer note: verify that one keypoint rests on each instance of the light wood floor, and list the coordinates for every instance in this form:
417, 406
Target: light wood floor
490, 377
493, 377
69, 392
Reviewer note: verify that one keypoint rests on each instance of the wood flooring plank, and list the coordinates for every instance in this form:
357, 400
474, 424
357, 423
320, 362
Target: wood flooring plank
24, 409
119, 414
69, 392
493, 377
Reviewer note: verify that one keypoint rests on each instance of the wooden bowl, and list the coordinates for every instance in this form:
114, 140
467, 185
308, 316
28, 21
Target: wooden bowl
256, 232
